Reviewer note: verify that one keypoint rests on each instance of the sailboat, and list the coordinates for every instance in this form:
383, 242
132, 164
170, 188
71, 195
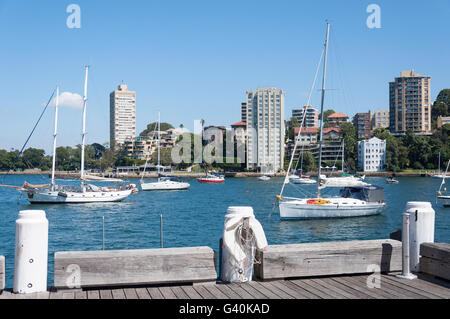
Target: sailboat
439, 175
444, 198
351, 202
164, 183
85, 193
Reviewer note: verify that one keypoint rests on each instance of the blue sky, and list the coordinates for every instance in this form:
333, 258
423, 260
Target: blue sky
195, 59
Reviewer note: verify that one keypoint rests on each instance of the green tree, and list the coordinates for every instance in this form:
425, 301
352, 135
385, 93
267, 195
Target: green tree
154, 127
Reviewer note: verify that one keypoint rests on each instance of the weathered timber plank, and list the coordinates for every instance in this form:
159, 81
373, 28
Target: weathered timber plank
118, 293
142, 293
136, 267
191, 292
179, 292
252, 291
93, 294
105, 294
80, 295
425, 286
334, 288
213, 290
354, 289
130, 293
228, 291
167, 293
421, 292
328, 258
312, 290
378, 293
306, 293
434, 267
270, 286
2, 273
439, 251
204, 292
240, 291
264, 290
316, 285
296, 293
155, 293
386, 288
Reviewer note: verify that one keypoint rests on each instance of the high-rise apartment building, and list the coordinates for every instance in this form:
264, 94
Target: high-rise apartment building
380, 119
311, 117
410, 103
122, 107
244, 112
363, 124
265, 129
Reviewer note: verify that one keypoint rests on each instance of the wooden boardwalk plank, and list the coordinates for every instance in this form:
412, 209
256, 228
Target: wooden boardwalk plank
240, 291
155, 293
204, 292
296, 293
130, 293
105, 294
68, 295
364, 293
254, 292
81, 295
419, 292
424, 286
353, 280
333, 287
385, 287
179, 292
215, 291
93, 294
142, 293
167, 293
228, 291
53, 295
270, 286
191, 292
264, 290
118, 294
313, 288
301, 290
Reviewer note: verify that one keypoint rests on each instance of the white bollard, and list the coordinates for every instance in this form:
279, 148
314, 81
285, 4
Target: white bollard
421, 229
31, 254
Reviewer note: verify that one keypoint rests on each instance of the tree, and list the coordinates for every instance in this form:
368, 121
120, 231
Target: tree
153, 127
441, 106
348, 133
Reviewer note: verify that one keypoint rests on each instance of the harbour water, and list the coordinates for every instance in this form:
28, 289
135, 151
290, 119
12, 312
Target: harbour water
195, 217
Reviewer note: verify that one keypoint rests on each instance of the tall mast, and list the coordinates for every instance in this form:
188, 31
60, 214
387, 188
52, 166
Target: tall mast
83, 139
54, 139
159, 140
321, 108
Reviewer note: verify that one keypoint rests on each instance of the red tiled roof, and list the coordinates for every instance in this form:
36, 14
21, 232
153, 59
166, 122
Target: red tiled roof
329, 129
306, 130
239, 124
337, 115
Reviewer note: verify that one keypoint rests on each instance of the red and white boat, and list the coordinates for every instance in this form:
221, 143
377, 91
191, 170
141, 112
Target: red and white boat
211, 178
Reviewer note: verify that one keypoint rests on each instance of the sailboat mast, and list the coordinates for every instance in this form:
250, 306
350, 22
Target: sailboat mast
321, 108
54, 139
83, 139
159, 141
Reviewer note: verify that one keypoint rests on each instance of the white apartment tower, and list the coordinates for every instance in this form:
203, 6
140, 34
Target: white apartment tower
122, 106
265, 129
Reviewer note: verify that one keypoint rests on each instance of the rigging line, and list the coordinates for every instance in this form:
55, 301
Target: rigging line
301, 125
32, 131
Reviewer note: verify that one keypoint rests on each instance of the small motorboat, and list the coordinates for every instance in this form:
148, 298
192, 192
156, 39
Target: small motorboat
391, 180
304, 180
264, 178
211, 178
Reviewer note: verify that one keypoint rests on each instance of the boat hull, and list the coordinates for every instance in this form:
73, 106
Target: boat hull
445, 200
55, 197
304, 181
213, 181
299, 209
164, 186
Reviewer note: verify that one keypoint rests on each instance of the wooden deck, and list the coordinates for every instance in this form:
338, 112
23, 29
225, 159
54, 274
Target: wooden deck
339, 287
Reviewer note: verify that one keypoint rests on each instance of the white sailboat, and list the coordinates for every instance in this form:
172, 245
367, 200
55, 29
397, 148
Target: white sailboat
351, 202
439, 175
85, 193
444, 198
163, 183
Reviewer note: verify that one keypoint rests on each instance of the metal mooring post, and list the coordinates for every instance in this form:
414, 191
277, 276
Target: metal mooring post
161, 228
406, 273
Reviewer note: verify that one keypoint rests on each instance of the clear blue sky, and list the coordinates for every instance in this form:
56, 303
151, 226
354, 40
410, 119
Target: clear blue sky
195, 59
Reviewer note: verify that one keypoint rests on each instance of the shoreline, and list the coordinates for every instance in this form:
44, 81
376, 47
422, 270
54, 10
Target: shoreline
197, 174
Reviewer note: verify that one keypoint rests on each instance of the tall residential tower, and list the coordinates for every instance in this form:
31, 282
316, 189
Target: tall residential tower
265, 129
410, 103
122, 107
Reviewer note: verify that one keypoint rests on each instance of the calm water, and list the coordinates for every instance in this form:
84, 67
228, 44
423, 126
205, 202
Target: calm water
195, 217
